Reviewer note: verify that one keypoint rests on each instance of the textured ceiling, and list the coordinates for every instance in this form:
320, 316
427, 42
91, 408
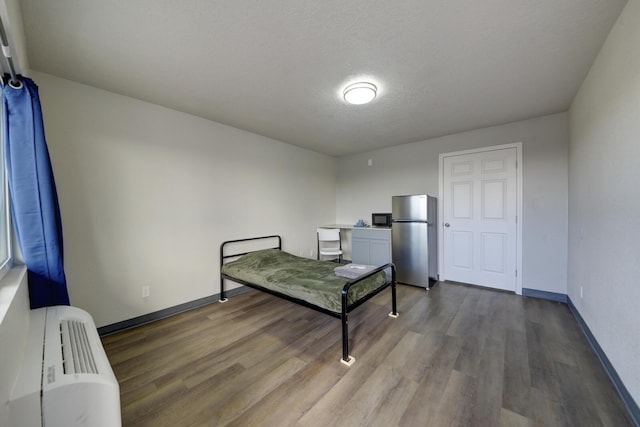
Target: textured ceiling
277, 67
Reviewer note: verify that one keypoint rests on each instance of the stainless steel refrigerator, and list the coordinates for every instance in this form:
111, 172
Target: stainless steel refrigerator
414, 239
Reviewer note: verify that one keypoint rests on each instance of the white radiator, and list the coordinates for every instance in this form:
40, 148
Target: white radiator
65, 379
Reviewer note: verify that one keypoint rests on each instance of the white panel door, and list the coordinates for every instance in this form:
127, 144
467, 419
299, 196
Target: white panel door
479, 218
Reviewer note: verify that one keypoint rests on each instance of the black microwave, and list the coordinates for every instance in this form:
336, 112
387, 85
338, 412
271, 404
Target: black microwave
381, 220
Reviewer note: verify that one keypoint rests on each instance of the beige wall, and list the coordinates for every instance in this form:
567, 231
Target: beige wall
14, 331
413, 169
604, 198
147, 195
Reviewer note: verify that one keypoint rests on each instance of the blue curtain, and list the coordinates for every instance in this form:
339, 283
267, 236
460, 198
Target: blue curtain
34, 200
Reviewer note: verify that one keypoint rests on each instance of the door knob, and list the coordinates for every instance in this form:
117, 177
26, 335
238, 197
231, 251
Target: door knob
446, 224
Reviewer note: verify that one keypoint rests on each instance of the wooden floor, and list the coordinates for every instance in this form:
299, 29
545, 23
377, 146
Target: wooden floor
457, 356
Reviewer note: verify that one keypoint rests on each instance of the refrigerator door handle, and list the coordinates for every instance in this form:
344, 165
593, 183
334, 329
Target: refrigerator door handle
409, 220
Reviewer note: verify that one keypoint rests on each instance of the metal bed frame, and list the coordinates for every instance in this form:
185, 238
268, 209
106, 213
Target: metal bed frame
346, 308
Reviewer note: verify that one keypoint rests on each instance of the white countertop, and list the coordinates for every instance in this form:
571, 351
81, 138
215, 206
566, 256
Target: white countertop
353, 226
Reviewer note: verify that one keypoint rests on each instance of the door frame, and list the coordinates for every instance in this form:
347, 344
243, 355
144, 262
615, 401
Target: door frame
518, 147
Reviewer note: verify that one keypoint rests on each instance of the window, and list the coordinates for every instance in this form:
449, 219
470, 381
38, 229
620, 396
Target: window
5, 230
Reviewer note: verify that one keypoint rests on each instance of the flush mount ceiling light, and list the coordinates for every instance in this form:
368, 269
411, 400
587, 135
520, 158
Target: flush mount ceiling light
360, 93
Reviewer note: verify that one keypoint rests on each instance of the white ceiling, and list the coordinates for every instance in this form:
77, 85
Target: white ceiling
277, 67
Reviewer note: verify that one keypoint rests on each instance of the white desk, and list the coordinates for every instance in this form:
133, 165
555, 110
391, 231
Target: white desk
380, 236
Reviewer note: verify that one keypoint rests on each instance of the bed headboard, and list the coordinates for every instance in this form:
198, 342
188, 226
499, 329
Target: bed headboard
267, 240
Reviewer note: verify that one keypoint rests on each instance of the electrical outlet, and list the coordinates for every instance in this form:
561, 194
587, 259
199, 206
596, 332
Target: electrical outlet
146, 292
311, 253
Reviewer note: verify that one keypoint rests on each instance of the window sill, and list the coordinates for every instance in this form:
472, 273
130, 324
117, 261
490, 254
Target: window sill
9, 288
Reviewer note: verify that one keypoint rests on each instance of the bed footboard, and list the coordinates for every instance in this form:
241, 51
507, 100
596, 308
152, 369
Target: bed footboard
346, 308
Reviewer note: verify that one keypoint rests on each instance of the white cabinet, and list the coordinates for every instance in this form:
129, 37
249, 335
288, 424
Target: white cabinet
371, 246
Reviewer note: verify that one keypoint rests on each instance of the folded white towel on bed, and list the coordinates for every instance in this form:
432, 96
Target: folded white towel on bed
352, 271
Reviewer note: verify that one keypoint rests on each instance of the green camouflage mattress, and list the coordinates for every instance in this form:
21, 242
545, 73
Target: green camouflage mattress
306, 279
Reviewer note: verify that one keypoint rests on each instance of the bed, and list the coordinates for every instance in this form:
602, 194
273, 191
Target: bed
304, 281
